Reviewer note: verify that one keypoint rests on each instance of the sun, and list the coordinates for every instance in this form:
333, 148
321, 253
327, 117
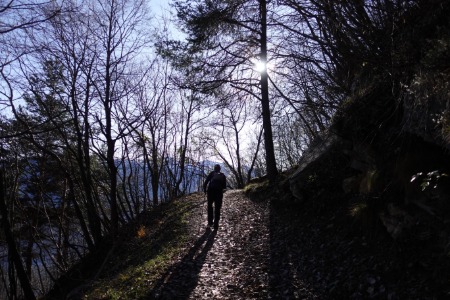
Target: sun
260, 66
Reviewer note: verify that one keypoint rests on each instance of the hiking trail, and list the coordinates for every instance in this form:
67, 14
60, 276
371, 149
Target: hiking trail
230, 263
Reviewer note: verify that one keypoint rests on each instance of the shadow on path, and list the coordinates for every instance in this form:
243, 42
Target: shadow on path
182, 278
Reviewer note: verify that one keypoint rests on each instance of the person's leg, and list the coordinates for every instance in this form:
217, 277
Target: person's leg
210, 208
217, 208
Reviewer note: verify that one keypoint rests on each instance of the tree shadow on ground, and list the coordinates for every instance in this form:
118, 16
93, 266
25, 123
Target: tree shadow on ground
181, 279
287, 279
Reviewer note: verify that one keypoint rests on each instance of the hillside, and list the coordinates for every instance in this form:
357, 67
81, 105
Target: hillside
108, 117
262, 250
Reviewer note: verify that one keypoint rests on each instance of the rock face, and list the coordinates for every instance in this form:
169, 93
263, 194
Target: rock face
396, 220
426, 102
321, 150
397, 184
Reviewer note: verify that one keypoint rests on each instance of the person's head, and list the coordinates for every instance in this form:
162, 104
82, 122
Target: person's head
217, 168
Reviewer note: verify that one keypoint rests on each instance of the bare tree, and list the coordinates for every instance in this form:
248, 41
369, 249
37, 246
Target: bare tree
68, 40
230, 136
118, 24
154, 104
230, 37
187, 121
16, 16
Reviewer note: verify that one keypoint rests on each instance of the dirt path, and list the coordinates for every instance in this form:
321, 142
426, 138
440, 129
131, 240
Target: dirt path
232, 263
266, 250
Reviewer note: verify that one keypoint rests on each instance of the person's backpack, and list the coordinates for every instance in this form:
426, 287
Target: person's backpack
217, 181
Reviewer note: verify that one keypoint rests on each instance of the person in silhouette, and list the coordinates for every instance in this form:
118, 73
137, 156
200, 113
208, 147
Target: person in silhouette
214, 187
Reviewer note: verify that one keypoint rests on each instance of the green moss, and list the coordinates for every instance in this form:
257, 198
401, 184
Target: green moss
256, 187
136, 281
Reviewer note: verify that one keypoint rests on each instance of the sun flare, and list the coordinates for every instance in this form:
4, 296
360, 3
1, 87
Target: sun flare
259, 66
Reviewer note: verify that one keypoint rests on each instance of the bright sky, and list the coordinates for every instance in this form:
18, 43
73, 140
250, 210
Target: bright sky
160, 9
159, 6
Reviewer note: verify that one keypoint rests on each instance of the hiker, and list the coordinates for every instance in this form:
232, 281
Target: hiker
214, 186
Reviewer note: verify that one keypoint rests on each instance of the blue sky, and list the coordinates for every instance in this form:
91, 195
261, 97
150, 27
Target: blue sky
159, 7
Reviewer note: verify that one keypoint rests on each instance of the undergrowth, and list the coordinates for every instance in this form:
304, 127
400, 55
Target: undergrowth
141, 260
130, 267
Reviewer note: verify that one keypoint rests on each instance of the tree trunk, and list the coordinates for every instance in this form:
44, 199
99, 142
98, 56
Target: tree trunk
155, 175
183, 150
271, 164
113, 182
84, 165
12, 246
86, 175
110, 141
